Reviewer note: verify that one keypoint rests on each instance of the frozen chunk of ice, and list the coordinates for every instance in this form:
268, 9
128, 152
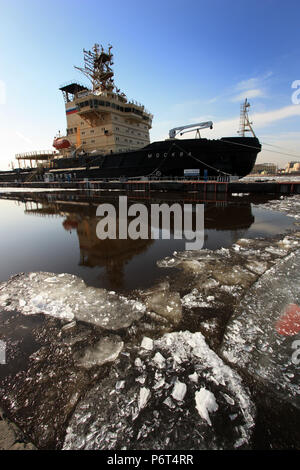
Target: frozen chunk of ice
159, 360
194, 377
106, 350
147, 343
67, 297
164, 302
205, 404
179, 391
144, 396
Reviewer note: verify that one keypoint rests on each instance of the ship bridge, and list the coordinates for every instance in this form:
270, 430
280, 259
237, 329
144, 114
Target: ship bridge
71, 89
92, 108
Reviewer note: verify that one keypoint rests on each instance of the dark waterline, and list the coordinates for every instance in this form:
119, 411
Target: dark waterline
58, 234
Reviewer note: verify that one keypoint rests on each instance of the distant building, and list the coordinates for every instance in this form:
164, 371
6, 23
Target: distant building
292, 167
264, 169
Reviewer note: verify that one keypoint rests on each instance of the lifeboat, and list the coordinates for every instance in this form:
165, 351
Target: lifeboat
61, 143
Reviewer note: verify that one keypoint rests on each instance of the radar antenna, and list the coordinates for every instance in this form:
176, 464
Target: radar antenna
245, 124
97, 68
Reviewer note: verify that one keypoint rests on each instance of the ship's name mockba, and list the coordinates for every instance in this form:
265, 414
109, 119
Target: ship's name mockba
100, 118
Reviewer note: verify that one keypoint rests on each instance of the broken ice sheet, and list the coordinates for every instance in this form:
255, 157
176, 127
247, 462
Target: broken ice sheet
163, 302
254, 343
163, 406
196, 299
67, 297
105, 350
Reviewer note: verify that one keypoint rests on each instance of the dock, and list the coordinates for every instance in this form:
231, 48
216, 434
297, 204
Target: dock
166, 185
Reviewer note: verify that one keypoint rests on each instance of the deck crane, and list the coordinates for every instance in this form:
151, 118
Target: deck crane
200, 125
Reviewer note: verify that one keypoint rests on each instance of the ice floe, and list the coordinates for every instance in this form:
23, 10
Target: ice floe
163, 302
67, 297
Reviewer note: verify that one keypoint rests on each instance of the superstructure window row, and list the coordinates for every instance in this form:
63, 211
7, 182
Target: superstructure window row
96, 103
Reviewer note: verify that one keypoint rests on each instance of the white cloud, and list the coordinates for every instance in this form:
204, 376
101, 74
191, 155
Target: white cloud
266, 118
253, 82
248, 88
248, 94
260, 120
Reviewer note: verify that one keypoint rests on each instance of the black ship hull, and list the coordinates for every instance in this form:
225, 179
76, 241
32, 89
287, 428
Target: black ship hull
175, 158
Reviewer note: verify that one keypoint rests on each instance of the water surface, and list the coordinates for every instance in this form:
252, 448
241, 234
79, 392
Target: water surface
57, 233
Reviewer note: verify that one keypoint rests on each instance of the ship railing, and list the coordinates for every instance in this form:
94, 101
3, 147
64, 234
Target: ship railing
203, 179
36, 153
221, 179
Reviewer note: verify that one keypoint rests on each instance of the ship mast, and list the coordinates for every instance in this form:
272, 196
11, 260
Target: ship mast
245, 124
97, 68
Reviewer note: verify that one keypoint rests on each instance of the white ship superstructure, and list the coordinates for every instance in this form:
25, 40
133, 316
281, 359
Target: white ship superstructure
101, 119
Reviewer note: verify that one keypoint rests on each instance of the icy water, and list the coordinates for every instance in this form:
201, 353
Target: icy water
57, 233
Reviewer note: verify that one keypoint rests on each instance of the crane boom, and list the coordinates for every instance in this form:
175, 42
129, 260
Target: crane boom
200, 125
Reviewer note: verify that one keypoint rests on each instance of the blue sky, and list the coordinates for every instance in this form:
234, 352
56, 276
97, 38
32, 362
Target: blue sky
185, 61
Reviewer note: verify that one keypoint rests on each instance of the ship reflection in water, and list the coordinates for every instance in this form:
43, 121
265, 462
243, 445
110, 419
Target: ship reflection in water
114, 255
124, 264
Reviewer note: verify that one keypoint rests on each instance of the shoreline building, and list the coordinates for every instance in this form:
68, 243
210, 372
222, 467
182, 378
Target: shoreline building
293, 167
264, 169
